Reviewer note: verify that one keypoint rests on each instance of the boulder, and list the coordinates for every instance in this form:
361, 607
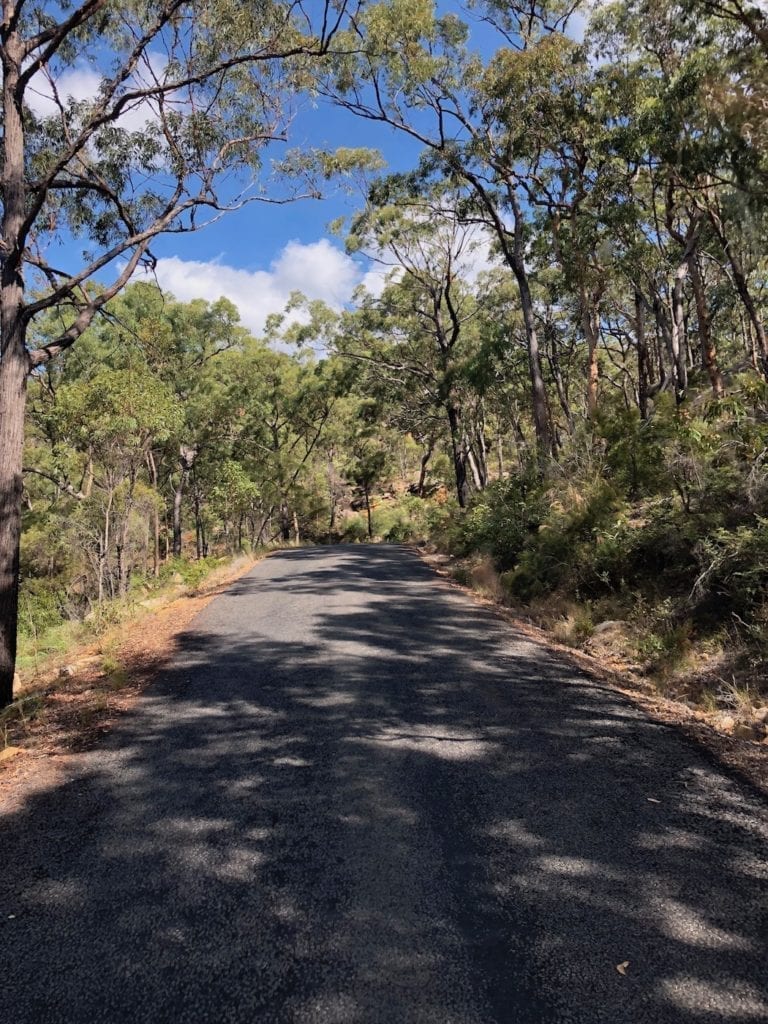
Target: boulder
725, 723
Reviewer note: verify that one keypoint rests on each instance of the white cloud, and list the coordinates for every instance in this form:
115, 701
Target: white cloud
477, 256
319, 270
81, 83
375, 280
472, 256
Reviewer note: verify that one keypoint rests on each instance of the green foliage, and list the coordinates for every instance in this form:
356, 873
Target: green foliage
42, 606
193, 573
355, 530
501, 520
595, 394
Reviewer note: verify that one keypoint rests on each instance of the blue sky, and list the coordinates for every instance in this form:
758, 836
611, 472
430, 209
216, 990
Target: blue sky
258, 255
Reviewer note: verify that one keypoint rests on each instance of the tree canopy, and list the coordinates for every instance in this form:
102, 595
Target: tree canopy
561, 361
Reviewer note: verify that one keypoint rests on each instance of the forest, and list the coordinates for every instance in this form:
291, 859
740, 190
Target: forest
560, 378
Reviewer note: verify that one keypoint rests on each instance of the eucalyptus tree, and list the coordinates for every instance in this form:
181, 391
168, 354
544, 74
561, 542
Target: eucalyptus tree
410, 67
424, 318
283, 407
117, 416
186, 97
692, 87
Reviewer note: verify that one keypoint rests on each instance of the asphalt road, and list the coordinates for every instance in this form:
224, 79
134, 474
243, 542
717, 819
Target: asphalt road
356, 796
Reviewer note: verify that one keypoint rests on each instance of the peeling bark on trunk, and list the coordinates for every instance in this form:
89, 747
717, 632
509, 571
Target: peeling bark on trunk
590, 325
471, 461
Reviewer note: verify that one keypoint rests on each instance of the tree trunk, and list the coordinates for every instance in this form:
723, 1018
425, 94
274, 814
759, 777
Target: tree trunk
472, 462
367, 493
664, 336
187, 456
744, 293
152, 466
482, 458
104, 543
706, 341
333, 499
285, 523
123, 566
678, 333
13, 390
86, 484
749, 344
553, 358
423, 468
539, 403
643, 363
514, 255
459, 462
14, 364
178, 495
121, 580
590, 326
199, 534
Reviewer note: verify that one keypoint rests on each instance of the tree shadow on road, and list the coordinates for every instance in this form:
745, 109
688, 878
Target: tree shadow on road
397, 811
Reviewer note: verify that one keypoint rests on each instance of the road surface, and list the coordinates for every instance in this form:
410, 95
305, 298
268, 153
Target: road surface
357, 796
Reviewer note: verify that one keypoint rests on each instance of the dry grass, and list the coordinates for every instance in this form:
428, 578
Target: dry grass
688, 698
56, 716
486, 580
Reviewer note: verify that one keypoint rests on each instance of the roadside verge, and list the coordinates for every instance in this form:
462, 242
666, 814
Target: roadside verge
747, 759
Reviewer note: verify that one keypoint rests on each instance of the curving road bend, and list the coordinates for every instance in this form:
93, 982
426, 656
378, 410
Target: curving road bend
356, 796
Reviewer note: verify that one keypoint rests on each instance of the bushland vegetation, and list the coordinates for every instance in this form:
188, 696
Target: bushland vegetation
562, 373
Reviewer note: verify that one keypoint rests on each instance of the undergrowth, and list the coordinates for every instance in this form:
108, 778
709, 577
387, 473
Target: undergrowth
653, 544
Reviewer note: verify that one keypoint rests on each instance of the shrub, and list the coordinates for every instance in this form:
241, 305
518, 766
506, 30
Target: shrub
355, 530
501, 520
